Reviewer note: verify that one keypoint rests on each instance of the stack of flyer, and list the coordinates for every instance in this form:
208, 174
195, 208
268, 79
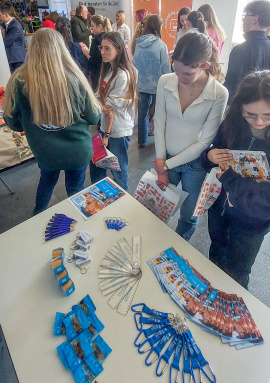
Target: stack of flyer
102, 157
215, 311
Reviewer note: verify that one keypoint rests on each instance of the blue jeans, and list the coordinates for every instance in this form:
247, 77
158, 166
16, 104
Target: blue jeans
74, 182
119, 147
191, 176
145, 101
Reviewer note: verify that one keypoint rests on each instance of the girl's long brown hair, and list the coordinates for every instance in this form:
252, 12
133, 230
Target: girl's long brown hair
212, 21
195, 49
52, 82
122, 62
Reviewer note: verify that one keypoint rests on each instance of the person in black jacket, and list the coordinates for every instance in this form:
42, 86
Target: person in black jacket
79, 27
99, 26
254, 53
13, 37
240, 217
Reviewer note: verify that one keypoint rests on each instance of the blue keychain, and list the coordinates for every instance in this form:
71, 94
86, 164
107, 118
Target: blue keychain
166, 355
158, 348
147, 332
176, 359
142, 308
153, 340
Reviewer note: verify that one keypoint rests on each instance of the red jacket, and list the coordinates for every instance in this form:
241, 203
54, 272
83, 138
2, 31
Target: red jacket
48, 24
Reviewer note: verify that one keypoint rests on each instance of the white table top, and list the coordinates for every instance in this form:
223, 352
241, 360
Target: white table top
30, 297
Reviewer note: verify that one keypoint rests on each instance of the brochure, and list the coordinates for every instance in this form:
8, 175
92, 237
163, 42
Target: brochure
96, 197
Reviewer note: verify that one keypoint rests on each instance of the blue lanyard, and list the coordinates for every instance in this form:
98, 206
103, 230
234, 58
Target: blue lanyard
166, 355
142, 308
144, 320
176, 359
153, 340
201, 359
147, 332
157, 349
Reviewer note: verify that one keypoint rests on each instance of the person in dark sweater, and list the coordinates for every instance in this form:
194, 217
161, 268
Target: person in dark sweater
240, 217
79, 27
254, 53
99, 26
54, 106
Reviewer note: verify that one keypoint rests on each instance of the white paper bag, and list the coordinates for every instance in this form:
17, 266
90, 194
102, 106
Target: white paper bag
162, 203
210, 191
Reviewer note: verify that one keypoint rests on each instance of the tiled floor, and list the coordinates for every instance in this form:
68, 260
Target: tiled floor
24, 179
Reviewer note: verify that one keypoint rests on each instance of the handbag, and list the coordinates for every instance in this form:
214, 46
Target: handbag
209, 193
162, 203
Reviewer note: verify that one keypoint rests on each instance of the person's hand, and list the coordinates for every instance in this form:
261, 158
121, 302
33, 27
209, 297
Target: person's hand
163, 181
105, 141
224, 168
158, 163
219, 156
108, 110
85, 50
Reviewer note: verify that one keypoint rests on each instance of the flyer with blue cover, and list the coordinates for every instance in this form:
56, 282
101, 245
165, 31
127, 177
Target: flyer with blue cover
96, 197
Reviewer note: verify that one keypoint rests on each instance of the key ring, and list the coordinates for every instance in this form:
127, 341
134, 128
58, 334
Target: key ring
83, 270
70, 259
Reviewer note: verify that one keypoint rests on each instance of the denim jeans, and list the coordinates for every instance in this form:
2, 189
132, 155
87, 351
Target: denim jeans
74, 182
232, 250
191, 176
119, 147
145, 101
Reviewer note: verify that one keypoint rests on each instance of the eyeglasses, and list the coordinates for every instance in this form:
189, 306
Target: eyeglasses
255, 116
244, 15
106, 49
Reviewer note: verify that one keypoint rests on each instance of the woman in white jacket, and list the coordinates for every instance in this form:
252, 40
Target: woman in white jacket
189, 107
117, 93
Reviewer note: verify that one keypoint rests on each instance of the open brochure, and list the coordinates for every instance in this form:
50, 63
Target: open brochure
102, 157
253, 164
96, 197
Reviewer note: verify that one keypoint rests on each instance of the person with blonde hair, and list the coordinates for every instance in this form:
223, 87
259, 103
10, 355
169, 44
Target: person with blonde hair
99, 26
121, 27
50, 99
214, 29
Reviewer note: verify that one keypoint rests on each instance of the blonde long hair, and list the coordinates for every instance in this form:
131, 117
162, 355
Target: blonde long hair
103, 21
51, 81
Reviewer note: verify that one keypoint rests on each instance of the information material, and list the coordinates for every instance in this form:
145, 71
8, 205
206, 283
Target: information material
209, 193
82, 353
163, 203
96, 197
253, 164
120, 274
215, 311
102, 157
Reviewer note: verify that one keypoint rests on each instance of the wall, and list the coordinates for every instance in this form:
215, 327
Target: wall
4, 72
226, 13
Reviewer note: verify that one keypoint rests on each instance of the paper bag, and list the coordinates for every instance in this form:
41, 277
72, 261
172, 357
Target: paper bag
102, 157
209, 193
162, 203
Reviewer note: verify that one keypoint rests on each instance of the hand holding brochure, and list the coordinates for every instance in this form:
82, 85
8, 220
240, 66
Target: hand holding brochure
102, 157
253, 164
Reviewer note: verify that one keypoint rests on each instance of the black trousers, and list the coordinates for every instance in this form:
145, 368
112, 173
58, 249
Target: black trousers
232, 249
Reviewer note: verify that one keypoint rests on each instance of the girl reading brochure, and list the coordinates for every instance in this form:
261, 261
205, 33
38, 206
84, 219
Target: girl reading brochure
240, 217
117, 93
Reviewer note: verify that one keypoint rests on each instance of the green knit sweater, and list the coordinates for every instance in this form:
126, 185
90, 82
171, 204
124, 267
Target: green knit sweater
56, 148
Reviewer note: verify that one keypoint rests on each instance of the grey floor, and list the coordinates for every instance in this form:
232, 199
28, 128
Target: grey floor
23, 180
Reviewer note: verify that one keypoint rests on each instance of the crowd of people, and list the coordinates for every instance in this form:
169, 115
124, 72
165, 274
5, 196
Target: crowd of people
82, 71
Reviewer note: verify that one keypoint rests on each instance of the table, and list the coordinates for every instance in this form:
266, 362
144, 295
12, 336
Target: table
30, 298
